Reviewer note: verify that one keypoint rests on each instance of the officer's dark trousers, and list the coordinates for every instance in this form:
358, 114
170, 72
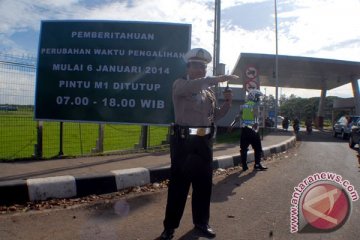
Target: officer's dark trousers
191, 163
250, 137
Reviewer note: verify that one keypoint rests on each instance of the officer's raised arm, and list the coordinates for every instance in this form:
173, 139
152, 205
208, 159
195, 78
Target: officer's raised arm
195, 80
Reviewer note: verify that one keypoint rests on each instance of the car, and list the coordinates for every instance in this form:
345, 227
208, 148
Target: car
354, 137
279, 119
343, 126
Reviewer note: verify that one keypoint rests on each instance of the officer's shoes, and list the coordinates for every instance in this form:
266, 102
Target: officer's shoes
206, 230
259, 167
167, 234
245, 167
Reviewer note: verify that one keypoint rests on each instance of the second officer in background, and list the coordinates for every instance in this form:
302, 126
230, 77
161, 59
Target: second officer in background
191, 143
248, 119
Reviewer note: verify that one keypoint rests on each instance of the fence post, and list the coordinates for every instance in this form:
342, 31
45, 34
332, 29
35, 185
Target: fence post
100, 143
99, 148
39, 144
144, 136
61, 152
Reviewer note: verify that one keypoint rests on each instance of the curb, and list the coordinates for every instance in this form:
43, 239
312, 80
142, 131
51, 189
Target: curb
22, 191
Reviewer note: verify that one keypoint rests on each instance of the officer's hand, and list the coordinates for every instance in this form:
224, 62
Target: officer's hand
228, 78
229, 130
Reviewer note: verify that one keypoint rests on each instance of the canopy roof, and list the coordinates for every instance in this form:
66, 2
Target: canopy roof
299, 72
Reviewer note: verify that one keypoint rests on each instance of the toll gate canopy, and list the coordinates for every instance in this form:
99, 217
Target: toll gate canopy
299, 72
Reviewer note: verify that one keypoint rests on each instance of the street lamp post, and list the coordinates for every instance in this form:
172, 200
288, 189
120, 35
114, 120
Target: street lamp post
276, 68
216, 37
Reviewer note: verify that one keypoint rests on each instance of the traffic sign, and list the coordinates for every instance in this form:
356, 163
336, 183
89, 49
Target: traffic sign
251, 84
251, 72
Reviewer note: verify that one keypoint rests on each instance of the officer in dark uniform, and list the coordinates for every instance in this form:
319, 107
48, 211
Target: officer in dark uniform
191, 143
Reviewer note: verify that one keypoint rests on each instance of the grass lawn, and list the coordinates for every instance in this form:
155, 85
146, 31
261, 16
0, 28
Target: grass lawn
18, 136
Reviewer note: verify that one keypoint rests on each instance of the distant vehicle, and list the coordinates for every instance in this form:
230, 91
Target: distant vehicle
285, 123
296, 128
279, 119
309, 129
308, 125
354, 137
269, 122
343, 126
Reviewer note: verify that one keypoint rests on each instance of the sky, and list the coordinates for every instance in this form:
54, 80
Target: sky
310, 28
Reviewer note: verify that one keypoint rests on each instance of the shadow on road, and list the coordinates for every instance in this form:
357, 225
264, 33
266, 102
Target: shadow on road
225, 188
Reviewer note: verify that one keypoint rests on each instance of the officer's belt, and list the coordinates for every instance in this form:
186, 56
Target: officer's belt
199, 131
183, 131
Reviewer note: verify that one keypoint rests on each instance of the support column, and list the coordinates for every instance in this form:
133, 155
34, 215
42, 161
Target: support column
320, 115
356, 92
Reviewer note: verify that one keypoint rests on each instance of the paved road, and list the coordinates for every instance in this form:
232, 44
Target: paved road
250, 205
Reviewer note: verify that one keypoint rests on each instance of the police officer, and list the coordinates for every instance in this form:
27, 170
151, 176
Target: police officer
249, 130
191, 143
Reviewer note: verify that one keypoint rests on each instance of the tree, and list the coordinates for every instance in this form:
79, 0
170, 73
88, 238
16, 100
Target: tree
269, 101
302, 108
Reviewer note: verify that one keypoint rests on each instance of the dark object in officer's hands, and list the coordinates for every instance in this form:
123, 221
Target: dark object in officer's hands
227, 90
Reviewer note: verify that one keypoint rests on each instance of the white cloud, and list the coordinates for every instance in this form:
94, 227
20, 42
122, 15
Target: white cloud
318, 26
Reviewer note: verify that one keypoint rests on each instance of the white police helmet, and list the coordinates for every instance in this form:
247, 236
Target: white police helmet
198, 55
254, 95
